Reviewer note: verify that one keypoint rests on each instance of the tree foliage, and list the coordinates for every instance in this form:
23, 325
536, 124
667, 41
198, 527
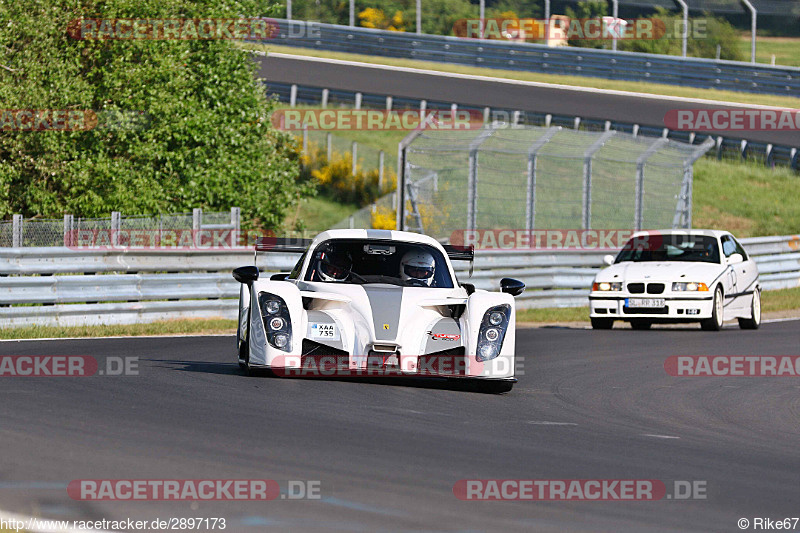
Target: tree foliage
206, 140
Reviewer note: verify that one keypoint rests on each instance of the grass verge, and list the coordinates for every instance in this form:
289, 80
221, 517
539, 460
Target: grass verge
169, 327
577, 81
785, 49
771, 301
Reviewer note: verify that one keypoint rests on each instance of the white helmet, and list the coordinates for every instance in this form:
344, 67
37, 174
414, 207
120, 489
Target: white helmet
417, 265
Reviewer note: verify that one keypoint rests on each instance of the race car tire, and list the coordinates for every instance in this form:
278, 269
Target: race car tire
755, 313
641, 324
715, 322
602, 323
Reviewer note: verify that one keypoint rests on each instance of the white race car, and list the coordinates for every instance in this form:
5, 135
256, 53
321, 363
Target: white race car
678, 276
375, 303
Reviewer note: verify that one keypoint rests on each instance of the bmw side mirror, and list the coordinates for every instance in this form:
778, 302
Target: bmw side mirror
608, 260
246, 274
735, 258
514, 287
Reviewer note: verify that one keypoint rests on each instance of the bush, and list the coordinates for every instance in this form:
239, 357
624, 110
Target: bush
208, 142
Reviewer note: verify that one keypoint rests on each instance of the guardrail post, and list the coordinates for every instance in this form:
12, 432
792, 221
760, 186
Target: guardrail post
577, 123
358, 100
388, 103
423, 108
743, 148
635, 130
587, 177
293, 95
548, 119
68, 233
324, 98
16, 231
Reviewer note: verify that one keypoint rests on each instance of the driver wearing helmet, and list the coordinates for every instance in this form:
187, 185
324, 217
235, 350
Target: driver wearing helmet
417, 267
334, 266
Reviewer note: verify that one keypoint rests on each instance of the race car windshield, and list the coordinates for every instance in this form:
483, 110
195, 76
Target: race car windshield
675, 247
368, 262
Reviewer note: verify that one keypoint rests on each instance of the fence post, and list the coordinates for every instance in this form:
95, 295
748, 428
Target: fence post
116, 225
587, 177
472, 178
197, 219
423, 108
293, 95
530, 200
324, 98
236, 222
640, 164
16, 231
68, 234
380, 170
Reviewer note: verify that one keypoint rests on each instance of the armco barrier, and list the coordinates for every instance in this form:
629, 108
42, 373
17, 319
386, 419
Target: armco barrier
688, 72
75, 287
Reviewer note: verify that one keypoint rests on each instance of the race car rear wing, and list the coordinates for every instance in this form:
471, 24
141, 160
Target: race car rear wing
281, 244
460, 253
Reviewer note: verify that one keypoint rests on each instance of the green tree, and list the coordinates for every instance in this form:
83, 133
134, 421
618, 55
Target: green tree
207, 141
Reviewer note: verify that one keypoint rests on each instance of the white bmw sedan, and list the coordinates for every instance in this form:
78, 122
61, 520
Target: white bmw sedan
678, 276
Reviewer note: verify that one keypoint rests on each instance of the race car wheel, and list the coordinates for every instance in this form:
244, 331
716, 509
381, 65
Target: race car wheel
641, 324
715, 322
755, 313
602, 323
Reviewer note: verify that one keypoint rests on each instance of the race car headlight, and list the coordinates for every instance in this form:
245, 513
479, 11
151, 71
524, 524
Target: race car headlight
492, 332
607, 286
277, 322
690, 286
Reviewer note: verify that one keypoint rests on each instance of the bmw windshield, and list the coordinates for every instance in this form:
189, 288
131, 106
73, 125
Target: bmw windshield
361, 261
670, 247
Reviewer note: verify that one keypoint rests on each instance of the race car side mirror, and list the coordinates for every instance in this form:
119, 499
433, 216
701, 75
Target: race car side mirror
514, 287
608, 259
735, 258
246, 274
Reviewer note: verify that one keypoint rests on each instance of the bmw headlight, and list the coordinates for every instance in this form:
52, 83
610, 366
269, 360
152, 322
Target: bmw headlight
492, 332
607, 286
689, 286
277, 321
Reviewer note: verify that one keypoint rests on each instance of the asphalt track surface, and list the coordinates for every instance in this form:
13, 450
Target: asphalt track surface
496, 93
388, 455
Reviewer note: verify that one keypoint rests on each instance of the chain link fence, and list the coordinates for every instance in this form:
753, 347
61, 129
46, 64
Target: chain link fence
41, 232
526, 177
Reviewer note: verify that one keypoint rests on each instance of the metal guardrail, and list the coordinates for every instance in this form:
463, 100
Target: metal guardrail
632, 66
145, 286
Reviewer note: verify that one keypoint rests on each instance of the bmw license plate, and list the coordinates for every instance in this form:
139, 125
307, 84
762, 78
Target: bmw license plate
648, 303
